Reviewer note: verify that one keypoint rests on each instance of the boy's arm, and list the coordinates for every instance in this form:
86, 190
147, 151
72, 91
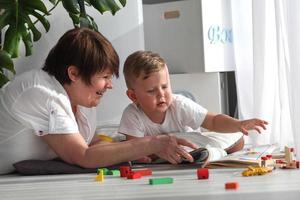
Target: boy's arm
226, 124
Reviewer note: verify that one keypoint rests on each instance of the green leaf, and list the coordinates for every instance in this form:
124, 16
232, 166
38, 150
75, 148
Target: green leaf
6, 61
35, 5
12, 41
88, 22
4, 19
17, 16
3, 79
75, 19
107, 5
84, 22
112, 5
71, 6
36, 33
54, 2
100, 7
123, 2
42, 19
27, 39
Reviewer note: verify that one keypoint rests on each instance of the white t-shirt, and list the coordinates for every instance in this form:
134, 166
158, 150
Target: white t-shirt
183, 115
32, 105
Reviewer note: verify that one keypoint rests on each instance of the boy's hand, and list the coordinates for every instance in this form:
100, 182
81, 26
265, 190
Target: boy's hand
252, 124
173, 150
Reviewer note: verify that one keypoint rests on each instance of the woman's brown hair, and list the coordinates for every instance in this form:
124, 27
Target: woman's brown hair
84, 48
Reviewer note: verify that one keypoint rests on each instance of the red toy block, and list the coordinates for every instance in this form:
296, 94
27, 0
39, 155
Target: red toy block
202, 173
124, 171
232, 185
280, 162
269, 156
144, 172
264, 158
134, 175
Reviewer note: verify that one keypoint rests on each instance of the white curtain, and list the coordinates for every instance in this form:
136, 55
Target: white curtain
267, 53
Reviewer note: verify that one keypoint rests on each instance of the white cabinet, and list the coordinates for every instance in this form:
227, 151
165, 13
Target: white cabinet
192, 35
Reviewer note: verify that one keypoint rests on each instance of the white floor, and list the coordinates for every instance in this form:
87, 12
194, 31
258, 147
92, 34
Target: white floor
280, 184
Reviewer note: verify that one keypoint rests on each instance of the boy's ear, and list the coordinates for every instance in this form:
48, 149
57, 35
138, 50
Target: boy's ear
73, 72
131, 94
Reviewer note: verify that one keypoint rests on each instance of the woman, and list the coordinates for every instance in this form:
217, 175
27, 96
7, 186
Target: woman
50, 112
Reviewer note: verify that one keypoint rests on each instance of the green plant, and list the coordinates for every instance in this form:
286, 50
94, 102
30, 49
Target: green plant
18, 20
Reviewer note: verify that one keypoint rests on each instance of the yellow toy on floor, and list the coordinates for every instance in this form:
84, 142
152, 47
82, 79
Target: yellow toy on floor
256, 170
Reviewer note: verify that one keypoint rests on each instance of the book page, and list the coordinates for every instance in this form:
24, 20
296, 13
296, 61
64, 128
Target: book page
245, 157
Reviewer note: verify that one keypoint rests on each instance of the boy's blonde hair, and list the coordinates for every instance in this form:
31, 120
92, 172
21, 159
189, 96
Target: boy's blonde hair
141, 63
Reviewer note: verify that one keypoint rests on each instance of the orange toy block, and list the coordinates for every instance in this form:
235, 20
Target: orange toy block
232, 185
144, 172
134, 175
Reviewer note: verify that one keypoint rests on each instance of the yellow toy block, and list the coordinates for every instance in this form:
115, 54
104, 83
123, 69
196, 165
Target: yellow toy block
105, 138
100, 176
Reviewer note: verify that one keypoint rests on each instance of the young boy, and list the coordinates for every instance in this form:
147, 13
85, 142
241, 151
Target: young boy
155, 110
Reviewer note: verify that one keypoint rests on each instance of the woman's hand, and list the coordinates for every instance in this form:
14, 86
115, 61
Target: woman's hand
172, 150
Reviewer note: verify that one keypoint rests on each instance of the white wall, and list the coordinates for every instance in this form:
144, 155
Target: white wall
124, 30
205, 87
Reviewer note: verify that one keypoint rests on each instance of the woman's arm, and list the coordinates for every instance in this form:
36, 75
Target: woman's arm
73, 149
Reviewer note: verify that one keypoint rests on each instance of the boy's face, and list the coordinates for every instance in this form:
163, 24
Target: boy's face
154, 94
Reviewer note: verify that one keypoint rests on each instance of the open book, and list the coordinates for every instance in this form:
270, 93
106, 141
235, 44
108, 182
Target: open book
213, 142
244, 158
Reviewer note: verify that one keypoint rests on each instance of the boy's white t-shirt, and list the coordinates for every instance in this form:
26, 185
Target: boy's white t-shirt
33, 105
183, 115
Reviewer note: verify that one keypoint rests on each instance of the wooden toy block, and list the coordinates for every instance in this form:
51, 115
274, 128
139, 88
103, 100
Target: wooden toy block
202, 173
100, 176
288, 154
124, 171
105, 171
232, 185
269, 156
289, 162
114, 172
144, 172
159, 181
280, 162
134, 175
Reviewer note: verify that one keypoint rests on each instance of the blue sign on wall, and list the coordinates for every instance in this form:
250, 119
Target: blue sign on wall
217, 34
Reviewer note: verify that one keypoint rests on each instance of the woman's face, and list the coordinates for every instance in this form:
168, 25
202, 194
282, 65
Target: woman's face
89, 95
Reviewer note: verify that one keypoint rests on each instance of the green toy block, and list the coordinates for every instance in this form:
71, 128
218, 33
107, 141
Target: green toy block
105, 171
158, 181
114, 172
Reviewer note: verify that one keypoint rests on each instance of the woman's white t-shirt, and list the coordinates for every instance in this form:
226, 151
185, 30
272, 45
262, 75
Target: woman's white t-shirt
32, 105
